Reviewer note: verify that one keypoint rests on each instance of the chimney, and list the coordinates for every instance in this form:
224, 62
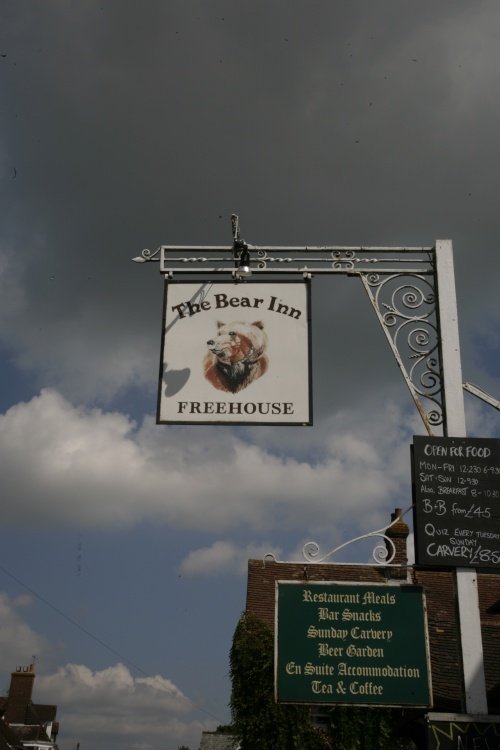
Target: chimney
398, 533
21, 687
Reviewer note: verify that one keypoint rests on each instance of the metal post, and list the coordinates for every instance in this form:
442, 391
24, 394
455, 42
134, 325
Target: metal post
466, 578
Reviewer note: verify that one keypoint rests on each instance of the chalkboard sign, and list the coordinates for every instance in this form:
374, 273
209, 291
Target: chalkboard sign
463, 735
456, 495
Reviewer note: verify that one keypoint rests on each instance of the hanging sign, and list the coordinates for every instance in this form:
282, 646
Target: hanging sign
235, 353
351, 644
456, 494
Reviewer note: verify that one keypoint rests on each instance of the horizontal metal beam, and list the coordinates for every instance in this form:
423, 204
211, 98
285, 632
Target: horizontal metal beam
282, 248
281, 259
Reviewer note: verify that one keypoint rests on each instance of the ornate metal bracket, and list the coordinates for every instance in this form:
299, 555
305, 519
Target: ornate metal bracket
405, 304
383, 554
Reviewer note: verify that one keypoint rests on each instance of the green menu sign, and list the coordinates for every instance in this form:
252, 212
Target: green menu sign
351, 644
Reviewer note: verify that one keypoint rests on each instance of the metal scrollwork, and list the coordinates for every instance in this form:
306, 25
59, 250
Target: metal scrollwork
147, 255
344, 259
262, 258
383, 553
406, 307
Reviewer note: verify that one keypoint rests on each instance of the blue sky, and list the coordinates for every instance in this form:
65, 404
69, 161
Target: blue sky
127, 125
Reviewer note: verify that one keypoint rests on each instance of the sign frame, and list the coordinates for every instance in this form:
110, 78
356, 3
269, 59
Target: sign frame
329, 665
199, 304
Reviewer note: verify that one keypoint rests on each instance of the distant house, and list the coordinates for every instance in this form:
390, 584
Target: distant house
219, 741
24, 724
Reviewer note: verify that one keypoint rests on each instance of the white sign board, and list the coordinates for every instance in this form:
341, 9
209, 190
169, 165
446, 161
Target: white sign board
235, 353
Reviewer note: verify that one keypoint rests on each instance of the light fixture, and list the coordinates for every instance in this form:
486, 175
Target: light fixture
244, 263
241, 252
241, 255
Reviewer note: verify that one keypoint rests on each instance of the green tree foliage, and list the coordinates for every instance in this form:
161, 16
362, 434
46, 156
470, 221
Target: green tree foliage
354, 728
262, 724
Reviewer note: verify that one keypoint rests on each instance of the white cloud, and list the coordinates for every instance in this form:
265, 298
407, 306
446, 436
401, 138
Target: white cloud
66, 465
18, 642
224, 557
77, 685
111, 708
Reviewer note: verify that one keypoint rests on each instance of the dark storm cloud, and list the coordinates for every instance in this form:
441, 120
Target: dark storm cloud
126, 127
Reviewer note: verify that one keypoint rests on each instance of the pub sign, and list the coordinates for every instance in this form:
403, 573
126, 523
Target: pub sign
235, 353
